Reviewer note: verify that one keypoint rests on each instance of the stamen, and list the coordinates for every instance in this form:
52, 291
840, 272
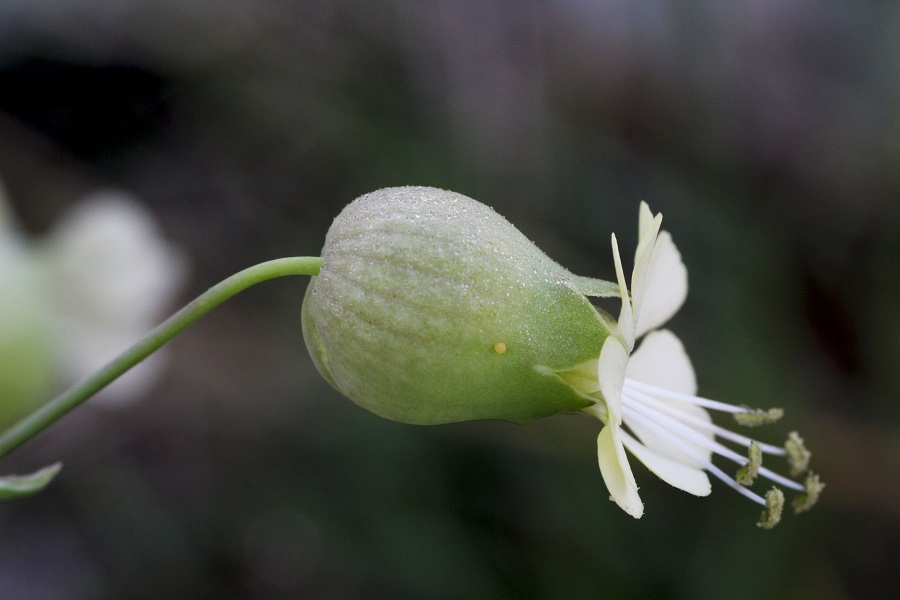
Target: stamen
681, 433
747, 474
774, 505
798, 455
702, 423
748, 417
706, 402
772, 476
730, 482
678, 432
707, 465
808, 499
754, 417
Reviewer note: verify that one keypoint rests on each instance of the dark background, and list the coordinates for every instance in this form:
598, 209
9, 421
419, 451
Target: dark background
767, 133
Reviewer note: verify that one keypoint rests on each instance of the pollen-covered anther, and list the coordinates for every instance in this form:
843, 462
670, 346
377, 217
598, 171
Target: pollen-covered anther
813, 488
797, 454
754, 417
747, 474
774, 506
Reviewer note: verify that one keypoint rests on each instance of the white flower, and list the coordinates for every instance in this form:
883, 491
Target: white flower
648, 397
92, 287
113, 275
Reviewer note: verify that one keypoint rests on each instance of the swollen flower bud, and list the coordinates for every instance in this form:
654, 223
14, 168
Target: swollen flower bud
431, 308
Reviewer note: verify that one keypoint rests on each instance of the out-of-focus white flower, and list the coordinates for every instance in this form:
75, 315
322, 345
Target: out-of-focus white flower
112, 274
94, 285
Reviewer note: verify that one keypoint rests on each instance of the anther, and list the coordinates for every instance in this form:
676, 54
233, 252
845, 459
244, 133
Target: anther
797, 454
812, 489
754, 417
772, 513
747, 474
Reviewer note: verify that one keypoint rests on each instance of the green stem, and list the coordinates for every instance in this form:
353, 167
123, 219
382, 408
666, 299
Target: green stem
30, 426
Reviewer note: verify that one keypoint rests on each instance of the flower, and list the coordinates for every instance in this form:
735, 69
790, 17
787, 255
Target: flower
78, 296
429, 308
113, 274
647, 397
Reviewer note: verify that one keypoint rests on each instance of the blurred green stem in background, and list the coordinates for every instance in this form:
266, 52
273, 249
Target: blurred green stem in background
30, 426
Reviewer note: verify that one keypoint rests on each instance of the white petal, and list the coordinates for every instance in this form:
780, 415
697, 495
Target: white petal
645, 220
643, 260
626, 315
113, 276
611, 368
661, 361
665, 446
617, 472
692, 480
112, 261
665, 286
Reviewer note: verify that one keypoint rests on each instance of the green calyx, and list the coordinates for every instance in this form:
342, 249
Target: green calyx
431, 308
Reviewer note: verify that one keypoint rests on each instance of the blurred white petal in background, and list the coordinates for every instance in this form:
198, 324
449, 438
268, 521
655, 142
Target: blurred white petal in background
102, 278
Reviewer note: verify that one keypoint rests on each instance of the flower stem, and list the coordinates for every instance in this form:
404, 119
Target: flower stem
33, 424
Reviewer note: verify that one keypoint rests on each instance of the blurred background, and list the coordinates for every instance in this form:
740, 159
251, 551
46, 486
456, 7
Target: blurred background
767, 133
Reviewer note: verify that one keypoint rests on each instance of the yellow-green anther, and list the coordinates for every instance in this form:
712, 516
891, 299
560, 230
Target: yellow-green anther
797, 454
754, 417
771, 515
813, 489
747, 474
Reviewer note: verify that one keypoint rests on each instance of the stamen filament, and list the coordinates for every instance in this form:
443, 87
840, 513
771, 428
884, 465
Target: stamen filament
722, 432
788, 483
733, 484
707, 465
687, 434
699, 401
